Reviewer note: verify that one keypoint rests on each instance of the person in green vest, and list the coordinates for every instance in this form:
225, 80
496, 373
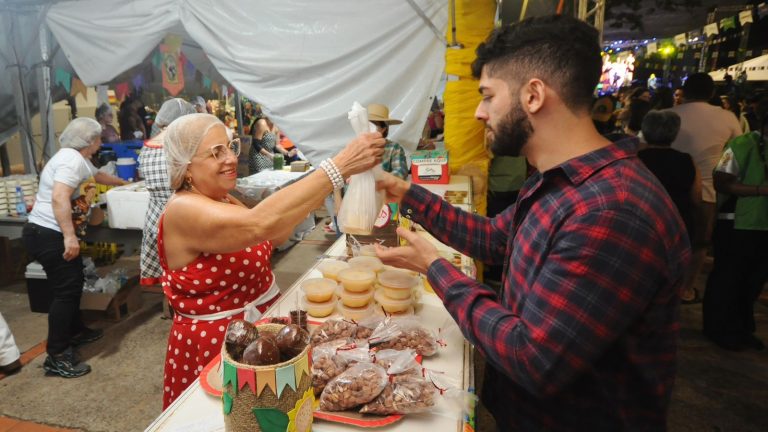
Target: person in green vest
740, 240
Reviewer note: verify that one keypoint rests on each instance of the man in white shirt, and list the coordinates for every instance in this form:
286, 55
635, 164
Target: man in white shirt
704, 131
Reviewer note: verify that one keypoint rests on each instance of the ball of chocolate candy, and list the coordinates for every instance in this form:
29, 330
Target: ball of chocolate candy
240, 334
262, 351
291, 341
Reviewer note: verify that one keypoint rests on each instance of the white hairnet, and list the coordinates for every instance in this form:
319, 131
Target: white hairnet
80, 133
198, 101
182, 139
173, 109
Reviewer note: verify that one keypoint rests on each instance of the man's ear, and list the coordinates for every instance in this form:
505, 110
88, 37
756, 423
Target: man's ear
533, 95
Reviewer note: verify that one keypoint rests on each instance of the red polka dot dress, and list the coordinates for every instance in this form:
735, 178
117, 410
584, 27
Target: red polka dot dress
207, 288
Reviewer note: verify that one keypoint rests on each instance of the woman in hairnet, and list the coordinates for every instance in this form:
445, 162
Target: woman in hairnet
154, 171
215, 252
51, 238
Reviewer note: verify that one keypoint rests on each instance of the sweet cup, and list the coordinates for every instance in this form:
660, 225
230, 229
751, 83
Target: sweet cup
366, 262
391, 305
356, 313
357, 279
355, 299
330, 268
319, 290
319, 310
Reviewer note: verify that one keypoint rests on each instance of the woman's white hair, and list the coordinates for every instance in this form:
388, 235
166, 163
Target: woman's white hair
80, 133
182, 139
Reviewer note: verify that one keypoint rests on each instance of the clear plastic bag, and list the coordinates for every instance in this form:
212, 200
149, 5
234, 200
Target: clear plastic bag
330, 359
362, 203
358, 385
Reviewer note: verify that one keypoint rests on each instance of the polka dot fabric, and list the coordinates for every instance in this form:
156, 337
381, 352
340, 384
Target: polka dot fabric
210, 284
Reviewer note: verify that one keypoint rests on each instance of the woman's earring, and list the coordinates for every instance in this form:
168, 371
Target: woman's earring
188, 183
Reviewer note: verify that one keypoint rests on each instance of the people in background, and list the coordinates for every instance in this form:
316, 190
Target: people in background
677, 96
583, 335
131, 122
215, 252
704, 131
264, 145
394, 160
740, 268
51, 237
200, 105
10, 362
105, 116
154, 170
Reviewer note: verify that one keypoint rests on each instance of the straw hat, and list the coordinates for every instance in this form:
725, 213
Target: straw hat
379, 112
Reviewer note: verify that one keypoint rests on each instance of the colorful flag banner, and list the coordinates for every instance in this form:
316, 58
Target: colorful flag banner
652, 47
190, 68
64, 78
138, 81
173, 70
728, 23
285, 377
301, 367
680, 40
121, 91
173, 42
157, 59
745, 17
246, 376
229, 376
207, 82
78, 87
711, 29
265, 378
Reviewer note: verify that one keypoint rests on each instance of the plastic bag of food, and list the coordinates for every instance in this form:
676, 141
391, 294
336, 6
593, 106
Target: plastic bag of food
357, 385
333, 329
403, 397
403, 333
330, 359
362, 202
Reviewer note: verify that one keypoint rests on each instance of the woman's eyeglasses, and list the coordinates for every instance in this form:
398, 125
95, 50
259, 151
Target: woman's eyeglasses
219, 151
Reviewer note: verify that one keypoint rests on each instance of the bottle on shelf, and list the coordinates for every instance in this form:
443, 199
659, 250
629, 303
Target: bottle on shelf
21, 205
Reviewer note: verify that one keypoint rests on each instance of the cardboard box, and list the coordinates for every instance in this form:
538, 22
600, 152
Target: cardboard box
430, 167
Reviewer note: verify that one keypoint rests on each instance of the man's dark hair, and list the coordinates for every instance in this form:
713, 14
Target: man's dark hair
560, 50
699, 87
661, 127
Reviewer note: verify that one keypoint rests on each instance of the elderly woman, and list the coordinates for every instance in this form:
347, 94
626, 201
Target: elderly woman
51, 238
105, 116
264, 145
154, 170
214, 251
676, 172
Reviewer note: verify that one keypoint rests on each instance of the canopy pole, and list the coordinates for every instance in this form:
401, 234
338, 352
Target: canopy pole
20, 100
44, 96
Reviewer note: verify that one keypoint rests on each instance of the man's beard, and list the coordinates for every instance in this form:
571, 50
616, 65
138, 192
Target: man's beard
512, 133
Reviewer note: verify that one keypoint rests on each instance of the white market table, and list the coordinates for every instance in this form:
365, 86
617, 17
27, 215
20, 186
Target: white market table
196, 411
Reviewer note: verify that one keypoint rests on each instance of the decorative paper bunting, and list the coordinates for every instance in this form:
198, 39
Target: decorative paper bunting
652, 47
265, 379
302, 366
227, 399
745, 17
207, 83
191, 69
138, 81
728, 23
711, 29
121, 91
64, 78
229, 376
680, 39
173, 70
78, 87
173, 42
157, 59
215, 88
285, 376
246, 376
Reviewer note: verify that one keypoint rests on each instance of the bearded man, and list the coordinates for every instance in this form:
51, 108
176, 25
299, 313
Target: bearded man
583, 333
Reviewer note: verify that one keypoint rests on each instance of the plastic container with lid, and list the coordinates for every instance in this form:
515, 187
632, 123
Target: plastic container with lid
330, 268
356, 313
367, 250
392, 305
397, 279
356, 299
319, 310
395, 293
357, 279
319, 290
366, 262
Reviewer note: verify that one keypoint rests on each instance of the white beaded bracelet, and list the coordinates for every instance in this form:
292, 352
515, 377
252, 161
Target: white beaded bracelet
333, 174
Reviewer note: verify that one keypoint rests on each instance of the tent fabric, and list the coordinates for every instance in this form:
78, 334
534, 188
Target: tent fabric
756, 69
305, 61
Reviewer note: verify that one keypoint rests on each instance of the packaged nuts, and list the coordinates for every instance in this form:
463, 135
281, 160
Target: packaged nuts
403, 397
358, 385
333, 329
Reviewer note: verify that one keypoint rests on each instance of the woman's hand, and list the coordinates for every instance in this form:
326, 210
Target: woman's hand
71, 248
361, 154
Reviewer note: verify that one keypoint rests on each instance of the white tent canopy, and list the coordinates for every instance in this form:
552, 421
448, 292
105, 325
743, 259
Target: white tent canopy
306, 61
756, 69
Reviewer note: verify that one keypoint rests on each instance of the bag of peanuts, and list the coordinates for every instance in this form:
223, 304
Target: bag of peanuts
403, 333
357, 385
333, 329
330, 359
404, 396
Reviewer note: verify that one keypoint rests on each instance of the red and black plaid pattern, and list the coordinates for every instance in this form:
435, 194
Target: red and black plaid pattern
583, 333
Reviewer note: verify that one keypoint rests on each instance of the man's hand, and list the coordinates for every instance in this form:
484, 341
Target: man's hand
71, 248
417, 256
394, 187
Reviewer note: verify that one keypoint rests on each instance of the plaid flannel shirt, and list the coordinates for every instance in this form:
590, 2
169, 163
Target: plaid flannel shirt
394, 161
583, 333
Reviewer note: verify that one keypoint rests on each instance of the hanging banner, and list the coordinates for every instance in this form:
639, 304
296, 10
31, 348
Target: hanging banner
652, 47
207, 83
728, 23
157, 59
745, 17
711, 29
190, 68
64, 78
121, 91
680, 40
173, 70
173, 42
78, 87
138, 81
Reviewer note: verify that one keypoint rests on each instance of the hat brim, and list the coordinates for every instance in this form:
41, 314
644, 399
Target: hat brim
388, 121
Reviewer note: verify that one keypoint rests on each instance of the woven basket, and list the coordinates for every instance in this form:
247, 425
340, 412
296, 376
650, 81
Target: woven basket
241, 417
